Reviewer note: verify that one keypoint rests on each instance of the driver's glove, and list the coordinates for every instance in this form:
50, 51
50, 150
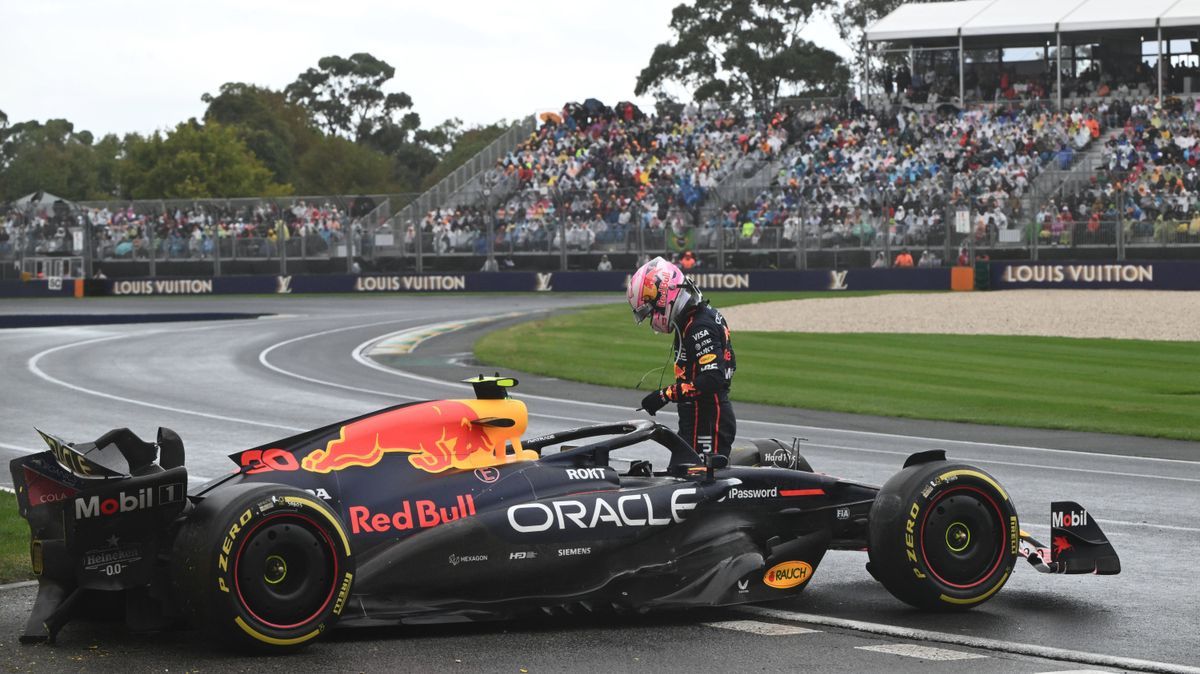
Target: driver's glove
654, 401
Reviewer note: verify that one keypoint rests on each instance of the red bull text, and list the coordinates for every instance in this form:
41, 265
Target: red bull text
419, 514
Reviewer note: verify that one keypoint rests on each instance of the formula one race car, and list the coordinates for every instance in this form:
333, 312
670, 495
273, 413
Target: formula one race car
440, 511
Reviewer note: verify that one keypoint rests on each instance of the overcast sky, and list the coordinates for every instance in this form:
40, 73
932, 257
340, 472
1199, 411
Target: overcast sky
141, 65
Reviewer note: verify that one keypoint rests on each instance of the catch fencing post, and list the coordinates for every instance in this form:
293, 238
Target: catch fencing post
281, 237
491, 225
562, 240
1120, 233
801, 234
420, 237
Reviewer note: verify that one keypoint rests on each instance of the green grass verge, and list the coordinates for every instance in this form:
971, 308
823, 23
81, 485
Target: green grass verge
14, 541
1128, 387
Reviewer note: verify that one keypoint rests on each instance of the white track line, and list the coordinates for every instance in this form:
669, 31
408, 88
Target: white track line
359, 355
32, 365
1124, 523
365, 361
761, 628
26, 450
921, 652
1014, 463
262, 359
998, 645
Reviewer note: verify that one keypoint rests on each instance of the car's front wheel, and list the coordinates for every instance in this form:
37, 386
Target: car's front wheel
942, 536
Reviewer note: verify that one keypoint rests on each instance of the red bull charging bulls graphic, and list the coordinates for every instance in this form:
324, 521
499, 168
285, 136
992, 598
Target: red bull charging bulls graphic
437, 436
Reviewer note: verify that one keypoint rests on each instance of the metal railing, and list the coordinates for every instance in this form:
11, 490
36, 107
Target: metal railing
466, 184
775, 224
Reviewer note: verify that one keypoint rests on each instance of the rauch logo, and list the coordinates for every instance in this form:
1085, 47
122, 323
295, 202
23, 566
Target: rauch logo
787, 574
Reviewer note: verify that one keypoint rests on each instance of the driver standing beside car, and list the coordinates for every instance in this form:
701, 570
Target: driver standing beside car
704, 360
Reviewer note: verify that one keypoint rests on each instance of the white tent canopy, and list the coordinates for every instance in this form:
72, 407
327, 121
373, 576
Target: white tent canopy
914, 21
1017, 17
38, 200
1183, 13
1114, 15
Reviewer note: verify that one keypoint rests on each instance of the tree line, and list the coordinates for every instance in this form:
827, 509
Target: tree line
335, 130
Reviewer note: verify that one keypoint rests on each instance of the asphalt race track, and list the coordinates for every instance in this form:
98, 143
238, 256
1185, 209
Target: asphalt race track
228, 385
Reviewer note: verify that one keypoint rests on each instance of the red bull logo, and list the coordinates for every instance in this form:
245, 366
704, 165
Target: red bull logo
419, 514
437, 435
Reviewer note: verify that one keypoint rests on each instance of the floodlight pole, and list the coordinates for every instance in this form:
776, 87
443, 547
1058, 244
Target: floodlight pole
1160, 60
1058, 66
962, 98
867, 74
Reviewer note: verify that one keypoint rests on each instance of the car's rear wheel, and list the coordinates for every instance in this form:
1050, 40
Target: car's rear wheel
263, 565
943, 536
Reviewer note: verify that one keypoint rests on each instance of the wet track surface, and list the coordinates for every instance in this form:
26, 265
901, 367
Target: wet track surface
229, 385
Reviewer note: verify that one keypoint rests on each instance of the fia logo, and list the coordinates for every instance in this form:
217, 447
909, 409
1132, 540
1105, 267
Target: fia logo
837, 280
283, 285
543, 282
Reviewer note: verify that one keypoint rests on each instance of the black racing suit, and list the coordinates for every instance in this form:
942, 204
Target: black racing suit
704, 365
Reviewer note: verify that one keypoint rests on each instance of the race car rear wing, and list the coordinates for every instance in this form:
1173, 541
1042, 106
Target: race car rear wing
1077, 545
99, 514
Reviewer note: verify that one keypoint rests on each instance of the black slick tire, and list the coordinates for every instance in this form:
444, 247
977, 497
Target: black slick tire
942, 536
262, 566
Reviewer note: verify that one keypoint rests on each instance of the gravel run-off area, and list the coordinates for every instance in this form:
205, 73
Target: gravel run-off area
1116, 314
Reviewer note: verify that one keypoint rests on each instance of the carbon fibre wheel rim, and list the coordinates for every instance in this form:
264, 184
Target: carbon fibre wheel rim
284, 573
962, 537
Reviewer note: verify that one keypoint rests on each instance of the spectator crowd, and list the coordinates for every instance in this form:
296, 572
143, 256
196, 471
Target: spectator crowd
597, 179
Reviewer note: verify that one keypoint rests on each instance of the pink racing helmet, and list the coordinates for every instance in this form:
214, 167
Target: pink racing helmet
658, 291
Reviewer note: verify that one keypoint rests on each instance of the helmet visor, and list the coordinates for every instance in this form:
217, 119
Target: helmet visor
642, 313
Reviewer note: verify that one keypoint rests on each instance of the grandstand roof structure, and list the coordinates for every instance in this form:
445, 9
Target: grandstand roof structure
999, 23
982, 18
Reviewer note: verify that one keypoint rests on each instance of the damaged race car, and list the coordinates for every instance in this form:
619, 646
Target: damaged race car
412, 513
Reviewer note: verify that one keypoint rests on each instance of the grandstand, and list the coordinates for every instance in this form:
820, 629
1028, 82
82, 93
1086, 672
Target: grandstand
1008, 128
1060, 49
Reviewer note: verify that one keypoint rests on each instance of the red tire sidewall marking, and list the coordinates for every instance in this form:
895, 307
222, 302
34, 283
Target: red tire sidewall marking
999, 557
332, 554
